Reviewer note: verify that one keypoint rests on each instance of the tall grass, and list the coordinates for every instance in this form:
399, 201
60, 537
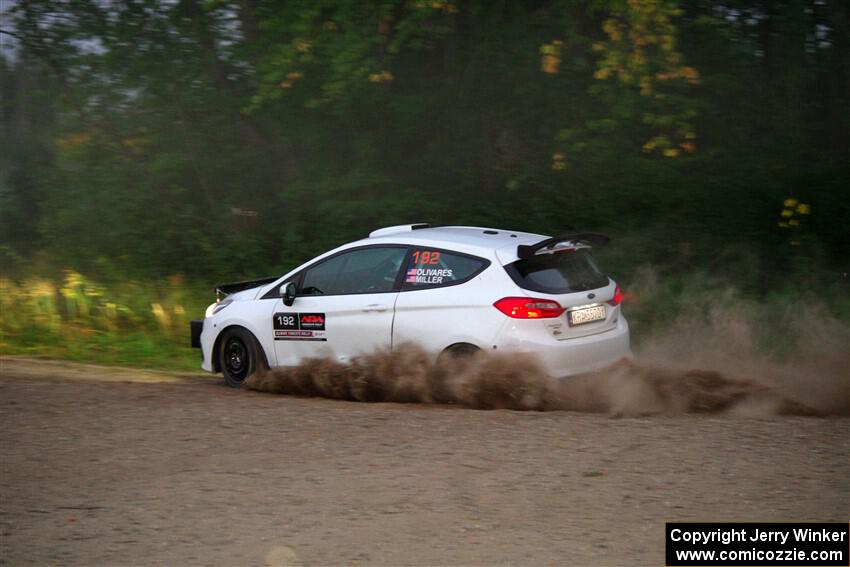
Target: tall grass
146, 323
784, 323
136, 323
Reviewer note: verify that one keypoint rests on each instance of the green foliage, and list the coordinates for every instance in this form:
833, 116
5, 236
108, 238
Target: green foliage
341, 47
225, 140
779, 324
79, 319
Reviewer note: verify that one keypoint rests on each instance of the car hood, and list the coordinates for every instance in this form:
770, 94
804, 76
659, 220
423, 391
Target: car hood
242, 290
243, 295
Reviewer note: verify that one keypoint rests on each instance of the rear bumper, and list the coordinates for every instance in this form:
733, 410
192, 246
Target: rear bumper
575, 356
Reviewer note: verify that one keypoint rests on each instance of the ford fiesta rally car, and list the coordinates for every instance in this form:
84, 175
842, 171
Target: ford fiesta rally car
449, 289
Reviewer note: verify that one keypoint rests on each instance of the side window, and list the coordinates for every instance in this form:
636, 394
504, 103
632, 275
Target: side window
428, 267
368, 270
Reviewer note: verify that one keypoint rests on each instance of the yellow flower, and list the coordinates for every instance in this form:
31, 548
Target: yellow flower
73, 140
787, 213
382, 77
611, 28
559, 161
804, 209
303, 46
689, 73
794, 222
790, 202
551, 59
160, 315
550, 63
671, 152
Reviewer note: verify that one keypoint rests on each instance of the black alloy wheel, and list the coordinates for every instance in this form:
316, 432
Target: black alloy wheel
238, 356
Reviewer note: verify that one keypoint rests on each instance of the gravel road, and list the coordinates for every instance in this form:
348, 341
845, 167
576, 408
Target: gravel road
106, 466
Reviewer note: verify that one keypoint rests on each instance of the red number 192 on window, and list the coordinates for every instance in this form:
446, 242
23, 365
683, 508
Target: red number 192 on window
426, 257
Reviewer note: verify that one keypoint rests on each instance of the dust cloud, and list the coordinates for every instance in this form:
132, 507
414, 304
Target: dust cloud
707, 364
504, 381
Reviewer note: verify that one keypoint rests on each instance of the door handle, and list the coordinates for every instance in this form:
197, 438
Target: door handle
375, 307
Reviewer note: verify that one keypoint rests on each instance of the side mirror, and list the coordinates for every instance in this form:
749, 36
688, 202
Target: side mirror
287, 293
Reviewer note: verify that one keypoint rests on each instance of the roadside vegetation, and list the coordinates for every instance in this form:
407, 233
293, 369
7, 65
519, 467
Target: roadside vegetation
710, 140
75, 318
146, 323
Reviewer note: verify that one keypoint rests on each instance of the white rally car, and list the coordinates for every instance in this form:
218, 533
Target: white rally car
449, 289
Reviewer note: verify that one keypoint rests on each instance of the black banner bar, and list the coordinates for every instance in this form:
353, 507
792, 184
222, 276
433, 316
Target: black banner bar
768, 544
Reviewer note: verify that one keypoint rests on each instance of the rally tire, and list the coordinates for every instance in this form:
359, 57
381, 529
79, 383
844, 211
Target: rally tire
240, 356
459, 351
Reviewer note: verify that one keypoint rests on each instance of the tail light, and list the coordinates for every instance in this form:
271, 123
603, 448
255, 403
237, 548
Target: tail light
529, 308
618, 297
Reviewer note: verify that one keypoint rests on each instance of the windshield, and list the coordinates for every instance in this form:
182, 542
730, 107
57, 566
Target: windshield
567, 271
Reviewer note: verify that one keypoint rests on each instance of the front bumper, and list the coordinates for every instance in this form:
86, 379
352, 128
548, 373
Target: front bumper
196, 327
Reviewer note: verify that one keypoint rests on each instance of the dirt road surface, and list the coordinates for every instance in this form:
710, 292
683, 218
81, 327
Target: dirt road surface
108, 466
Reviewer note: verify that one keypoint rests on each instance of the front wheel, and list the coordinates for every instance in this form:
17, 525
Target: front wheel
239, 356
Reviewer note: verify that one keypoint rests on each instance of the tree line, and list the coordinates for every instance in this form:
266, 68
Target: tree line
236, 138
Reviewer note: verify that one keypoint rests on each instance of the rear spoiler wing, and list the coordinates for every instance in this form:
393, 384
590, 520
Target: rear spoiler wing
228, 288
578, 240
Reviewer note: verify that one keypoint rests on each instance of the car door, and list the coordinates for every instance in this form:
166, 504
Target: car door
444, 299
344, 306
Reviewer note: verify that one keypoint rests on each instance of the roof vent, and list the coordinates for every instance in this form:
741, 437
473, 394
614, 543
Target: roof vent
398, 228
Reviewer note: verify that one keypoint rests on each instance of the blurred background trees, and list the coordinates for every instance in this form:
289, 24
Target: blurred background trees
222, 139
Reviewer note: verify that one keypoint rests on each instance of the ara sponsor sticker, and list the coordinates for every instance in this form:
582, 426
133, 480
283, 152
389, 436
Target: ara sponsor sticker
299, 326
314, 321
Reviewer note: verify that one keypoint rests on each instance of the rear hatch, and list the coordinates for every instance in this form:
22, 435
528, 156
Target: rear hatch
567, 272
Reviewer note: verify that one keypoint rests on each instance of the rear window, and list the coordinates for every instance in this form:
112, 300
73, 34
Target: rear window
562, 272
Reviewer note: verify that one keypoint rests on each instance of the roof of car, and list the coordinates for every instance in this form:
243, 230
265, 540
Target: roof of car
467, 236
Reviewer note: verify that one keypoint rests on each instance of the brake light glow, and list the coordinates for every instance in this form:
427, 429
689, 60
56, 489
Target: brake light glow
529, 308
618, 297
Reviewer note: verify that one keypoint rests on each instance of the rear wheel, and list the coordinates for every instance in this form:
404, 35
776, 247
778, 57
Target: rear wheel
459, 351
239, 356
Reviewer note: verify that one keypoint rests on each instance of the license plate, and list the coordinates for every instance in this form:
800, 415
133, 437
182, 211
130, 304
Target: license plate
586, 315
